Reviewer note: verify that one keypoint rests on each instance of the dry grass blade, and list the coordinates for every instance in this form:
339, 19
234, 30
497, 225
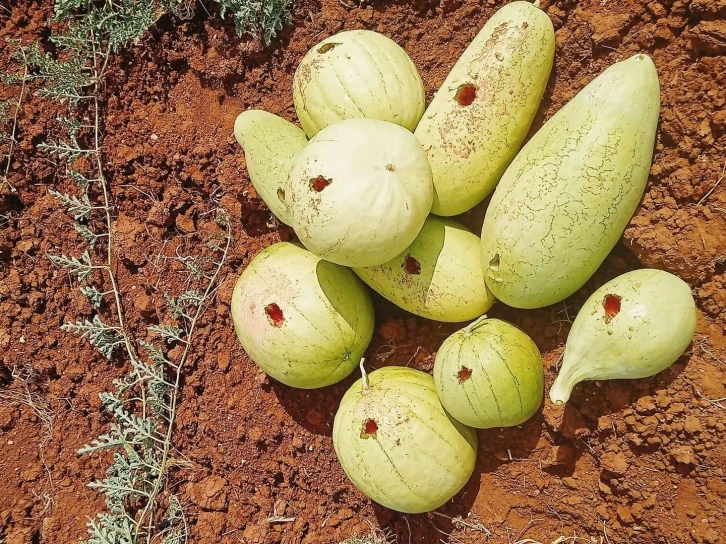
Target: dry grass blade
716, 402
715, 186
11, 137
277, 518
385, 351
518, 538
472, 522
376, 536
564, 540
40, 407
415, 353
709, 352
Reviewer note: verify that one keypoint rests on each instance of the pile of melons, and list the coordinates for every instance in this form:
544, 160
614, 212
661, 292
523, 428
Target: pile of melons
369, 195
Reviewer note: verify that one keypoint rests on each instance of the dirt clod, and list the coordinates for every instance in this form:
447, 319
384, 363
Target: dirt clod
209, 494
709, 37
684, 455
692, 425
615, 463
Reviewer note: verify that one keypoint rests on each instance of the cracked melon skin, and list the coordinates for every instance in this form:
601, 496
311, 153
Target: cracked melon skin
418, 457
470, 139
270, 144
567, 197
489, 374
304, 321
360, 191
438, 277
357, 74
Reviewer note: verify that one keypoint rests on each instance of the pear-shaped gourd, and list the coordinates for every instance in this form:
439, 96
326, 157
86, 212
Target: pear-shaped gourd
489, 374
632, 327
360, 192
398, 445
270, 144
304, 321
438, 277
357, 74
566, 198
480, 116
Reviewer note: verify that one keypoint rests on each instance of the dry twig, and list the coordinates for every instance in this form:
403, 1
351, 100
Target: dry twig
715, 186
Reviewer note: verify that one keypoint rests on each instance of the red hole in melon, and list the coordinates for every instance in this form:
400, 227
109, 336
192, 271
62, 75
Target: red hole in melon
464, 374
466, 94
370, 428
612, 306
274, 314
319, 183
412, 266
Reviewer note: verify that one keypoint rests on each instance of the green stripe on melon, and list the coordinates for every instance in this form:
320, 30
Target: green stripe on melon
418, 457
306, 322
357, 74
489, 374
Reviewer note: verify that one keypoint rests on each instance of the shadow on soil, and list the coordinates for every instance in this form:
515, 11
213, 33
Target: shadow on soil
496, 447
313, 409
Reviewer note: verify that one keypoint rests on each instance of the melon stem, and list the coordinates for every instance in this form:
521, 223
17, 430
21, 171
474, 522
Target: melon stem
473, 325
365, 376
537, 4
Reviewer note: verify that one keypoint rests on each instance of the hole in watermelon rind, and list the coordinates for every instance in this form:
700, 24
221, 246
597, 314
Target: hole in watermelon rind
319, 183
466, 94
274, 315
370, 428
411, 266
611, 305
464, 374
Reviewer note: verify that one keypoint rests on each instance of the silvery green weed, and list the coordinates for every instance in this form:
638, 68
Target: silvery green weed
142, 404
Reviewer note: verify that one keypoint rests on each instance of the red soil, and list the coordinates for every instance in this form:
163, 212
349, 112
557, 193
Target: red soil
625, 462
